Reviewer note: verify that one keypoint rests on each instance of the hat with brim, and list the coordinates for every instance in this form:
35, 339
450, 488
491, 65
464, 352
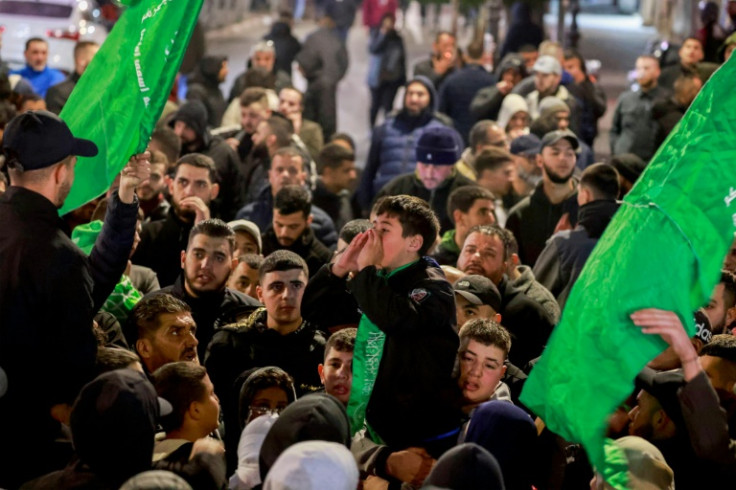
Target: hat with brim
663, 386
478, 290
248, 227
553, 137
40, 139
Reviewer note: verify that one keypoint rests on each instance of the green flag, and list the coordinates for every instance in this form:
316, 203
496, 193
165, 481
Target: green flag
122, 93
663, 249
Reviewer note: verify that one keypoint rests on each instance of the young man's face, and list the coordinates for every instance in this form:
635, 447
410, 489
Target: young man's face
691, 52
481, 369
433, 175
396, 248
207, 263
245, 243
290, 102
483, 255
289, 227
337, 374
480, 213
417, 98
546, 83
155, 184
173, 341
37, 55
284, 171
716, 308
245, 280
572, 66
186, 134
498, 180
252, 115
468, 311
84, 57
209, 407
281, 293
642, 415
647, 71
261, 134
557, 161
342, 177
191, 181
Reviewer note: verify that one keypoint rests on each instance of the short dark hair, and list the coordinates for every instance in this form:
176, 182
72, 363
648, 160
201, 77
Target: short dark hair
728, 279
487, 332
261, 379
81, 45
601, 179
282, 260
181, 384
511, 244
35, 40
332, 155
112, 358
571, 54
159, 157
528, 48
722, 345
492, 159
464, 197
494, 230
342, 341
146, 312
30, 98
351, 229
253, 95
168, 142
288, 152
475, 49
479, 133
692, 38
254, 261
414, 214
291, 199
343, 137
214, 228
282, 128
198, 160
649, 57
257, 76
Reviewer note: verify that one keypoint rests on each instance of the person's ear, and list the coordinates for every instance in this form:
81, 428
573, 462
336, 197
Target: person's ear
194, 411
169, 184
457, 217
320, 370
214, 191
60, 172
498, 318
310, 218
183, 258
503, 370
539, 160
415, 243
259, 293
234, 263
660, 419
144, 348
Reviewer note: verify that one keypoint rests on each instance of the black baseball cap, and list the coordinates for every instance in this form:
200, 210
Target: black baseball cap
554, 136
41, 139
479, 290
663, 386
526, 145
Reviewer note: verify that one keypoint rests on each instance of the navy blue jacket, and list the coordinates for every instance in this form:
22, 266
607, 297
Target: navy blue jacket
457, 93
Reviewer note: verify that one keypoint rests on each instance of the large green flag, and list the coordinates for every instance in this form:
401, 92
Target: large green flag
663, 249
122, 93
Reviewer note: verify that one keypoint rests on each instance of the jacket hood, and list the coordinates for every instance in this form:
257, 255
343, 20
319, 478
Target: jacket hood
194, 114
251, 440
280, 29
511, 104
314, 464
432, 107
208, 70
466, 466
509, 434
511, 61
315, 417
596, 215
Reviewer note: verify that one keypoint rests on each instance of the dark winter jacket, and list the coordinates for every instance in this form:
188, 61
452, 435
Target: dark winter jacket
633, 129
458, 91
666, 114
204, 85
49, 293
414, 399
323, 57
58, 94
487, 101
260, 212
328, 303
161, 245
285, 44
534, 218
562, 260
437, 198
387, 63
204, 470
314, 252
521, 30
211, 311
393, 146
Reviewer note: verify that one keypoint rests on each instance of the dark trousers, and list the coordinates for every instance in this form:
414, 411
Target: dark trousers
383, 98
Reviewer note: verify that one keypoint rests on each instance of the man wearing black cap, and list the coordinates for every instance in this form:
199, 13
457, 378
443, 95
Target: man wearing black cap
524, 150
190, 125
435, 176
476, 296
553, 205
49, 289
629, 168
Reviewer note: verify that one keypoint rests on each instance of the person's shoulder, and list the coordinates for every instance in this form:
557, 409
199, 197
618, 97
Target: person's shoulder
520, 206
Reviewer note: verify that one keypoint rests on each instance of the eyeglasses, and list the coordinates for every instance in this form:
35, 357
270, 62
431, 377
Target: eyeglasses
257, 411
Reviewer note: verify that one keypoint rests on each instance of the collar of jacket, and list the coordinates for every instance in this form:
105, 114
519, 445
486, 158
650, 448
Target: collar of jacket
210, 299
31, 204
595, 216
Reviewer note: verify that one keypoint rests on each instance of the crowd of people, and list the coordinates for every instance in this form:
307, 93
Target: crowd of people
247, 308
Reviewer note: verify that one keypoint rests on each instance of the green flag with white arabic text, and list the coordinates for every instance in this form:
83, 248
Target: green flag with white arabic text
122, 93
663, 249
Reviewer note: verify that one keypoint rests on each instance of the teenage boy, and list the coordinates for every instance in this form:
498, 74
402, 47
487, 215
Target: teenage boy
336, 373
406, 347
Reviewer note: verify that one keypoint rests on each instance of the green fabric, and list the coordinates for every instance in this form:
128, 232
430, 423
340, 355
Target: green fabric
366, 361
121, 94
448, 241
125, 296
663, 249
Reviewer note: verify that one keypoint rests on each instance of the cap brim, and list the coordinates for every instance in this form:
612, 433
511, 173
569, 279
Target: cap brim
470, 297
84, 148
164, 407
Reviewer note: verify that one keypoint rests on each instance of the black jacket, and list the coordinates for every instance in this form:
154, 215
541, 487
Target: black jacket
437, 198
49, 293
526, 320
212, 311
314, 252
285, 44
332, 203
533, 221
204, 85
57, 95
328, 303
161, 245
562, 260
414, 398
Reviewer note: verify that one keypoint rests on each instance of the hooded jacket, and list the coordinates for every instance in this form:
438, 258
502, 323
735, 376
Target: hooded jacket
204, 85
562, 260
393, 146
509, 434
511, 104
468, 467
314, 464
194, 114
315, 417
521, 30
487, 101
285, 44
